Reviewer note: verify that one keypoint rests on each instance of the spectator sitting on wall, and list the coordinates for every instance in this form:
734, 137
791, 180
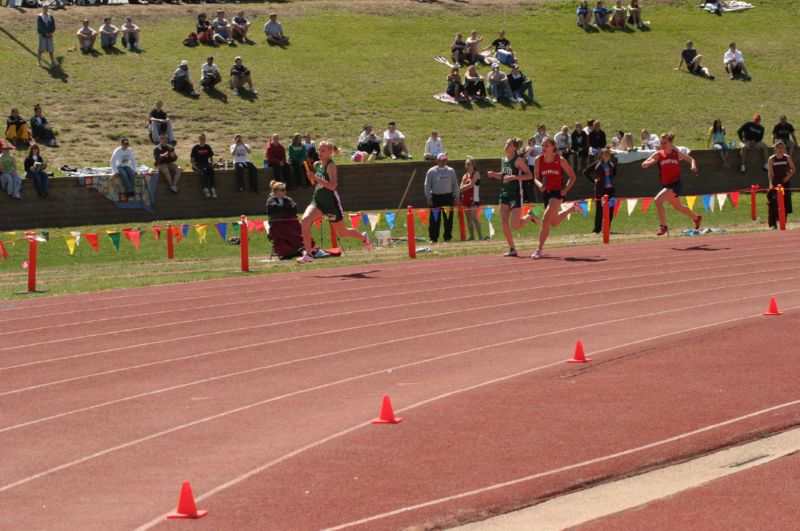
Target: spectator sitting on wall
583, 15
202, 159
734, 63
108, 34
276, 158
541, 134
579, 141
474, 85
716, 136
239, 28
650, 141
166, 160
297, 155
181, 82
160, 124
784, 131
241, 163
210, 75
458, 50
222, 29
394, 143
368, 142
752, 135
498, 84
597, 139
311, 154
17, 128
87, 36
274, 31
41, 129
433, 146
694, 61
34, 169
130, 35
563, 142
601, 15
123, 166
240, 75
205, 33
10, 180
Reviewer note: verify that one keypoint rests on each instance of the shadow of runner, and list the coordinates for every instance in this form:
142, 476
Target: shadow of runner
57, 72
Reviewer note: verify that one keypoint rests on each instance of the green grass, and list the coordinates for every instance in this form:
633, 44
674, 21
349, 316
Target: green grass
60, 273
345, 68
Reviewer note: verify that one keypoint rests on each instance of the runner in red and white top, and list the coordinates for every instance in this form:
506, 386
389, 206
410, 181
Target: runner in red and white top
668, 160
471, 197
549, 168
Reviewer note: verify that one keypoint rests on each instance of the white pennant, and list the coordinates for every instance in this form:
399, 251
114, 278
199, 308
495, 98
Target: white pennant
721, 199
567, 206
77, 235
491, 231
631, 205
712, 204
373, 220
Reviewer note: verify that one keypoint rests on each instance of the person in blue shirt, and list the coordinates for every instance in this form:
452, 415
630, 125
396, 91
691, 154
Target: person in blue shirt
601, 14
583, 15
602, 173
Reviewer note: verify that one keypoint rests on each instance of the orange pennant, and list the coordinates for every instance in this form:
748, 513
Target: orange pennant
423, 216
646, 204
92, 239
734, 199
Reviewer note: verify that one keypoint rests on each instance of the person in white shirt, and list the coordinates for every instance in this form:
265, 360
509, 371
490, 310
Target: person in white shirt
87, 36
123, 165
209, 73
541, 134
563, 142
473, 52
433, 146
130, 35
108, 34
650, 141
368, 142
734, 63
394, 143
241, 163
274, 31
239, 28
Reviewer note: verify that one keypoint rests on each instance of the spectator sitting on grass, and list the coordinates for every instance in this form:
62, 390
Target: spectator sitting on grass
241, 163
274, 31
41, 129
181, 82
473, 53
276, 158
752, 135
240, 27
87, 36
619, 15
474, 85
222, 29
202, 159
160, 124
297, 156
583, 15
734, 63
210, 75
34, 169
123, 166
601, 15
498, 84
205, 33
17, 128
502, 49
694, 61
433, 146
166, 160
455, 88
130, 35
108, 34
458, 50
394, 143
716, 136
368, 142
240, 75
650, 141
520, 85
635, 14
784, 131
9, 176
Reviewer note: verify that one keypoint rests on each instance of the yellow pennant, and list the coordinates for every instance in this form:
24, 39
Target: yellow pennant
589, 203
690, 199
70, 244
201, 232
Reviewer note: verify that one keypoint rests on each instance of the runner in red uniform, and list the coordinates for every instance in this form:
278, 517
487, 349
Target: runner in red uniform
548, 178
668, 160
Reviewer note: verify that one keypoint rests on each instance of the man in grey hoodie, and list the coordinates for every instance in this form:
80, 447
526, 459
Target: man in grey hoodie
441, 190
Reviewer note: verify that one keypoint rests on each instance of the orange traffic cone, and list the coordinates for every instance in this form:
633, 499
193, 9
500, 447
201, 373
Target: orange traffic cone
773, 308
186, 506
387, 413
579, 356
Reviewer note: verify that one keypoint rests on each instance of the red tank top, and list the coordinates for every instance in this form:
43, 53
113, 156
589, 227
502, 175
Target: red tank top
468, 197
780, 168
550, 173
669, 167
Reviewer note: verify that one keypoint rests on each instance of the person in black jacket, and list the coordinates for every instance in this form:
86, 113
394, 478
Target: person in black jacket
597, 139
285, 231
580, 147
752, 136
602, 173
34, 169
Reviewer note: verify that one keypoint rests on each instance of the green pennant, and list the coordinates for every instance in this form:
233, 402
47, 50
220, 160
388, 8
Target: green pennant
114, 239
236, 227
537, 210
46, 235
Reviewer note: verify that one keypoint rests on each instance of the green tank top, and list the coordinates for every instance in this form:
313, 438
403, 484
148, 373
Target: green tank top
7, 164
323, 197
512, 189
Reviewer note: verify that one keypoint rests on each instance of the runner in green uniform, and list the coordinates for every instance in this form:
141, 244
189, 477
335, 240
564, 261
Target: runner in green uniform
513, 171
325, 203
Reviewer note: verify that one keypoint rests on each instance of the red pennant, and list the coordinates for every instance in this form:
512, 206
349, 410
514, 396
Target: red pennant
616, 206
355, 220
3, 251
92, 239
525, 209
259, 225
251, 226
734, 199
126, 232
178, 233
646, 204
134, 237
423, 216
157, 232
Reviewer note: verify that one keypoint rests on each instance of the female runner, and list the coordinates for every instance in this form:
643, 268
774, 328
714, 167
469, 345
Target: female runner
470, 197
513, 171
548, 178
325, 202
669, 169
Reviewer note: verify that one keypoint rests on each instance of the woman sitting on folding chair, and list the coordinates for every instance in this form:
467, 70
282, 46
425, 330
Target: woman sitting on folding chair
285, 231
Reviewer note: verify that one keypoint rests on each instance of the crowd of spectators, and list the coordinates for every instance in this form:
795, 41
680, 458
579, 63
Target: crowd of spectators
609, 18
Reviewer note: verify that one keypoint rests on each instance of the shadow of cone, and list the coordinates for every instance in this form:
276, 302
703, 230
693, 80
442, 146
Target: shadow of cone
579, 356
186, 506
387, 413
773, 308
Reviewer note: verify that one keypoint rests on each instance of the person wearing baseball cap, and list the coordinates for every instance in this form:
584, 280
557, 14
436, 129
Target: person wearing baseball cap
181, 81
240, 75
752, 136
441, 190
10, 181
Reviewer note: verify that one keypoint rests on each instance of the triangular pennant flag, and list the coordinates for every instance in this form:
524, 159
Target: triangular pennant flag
566, 206
259, 225
390, 217
690, 200
77, 235
706, 202
589, 205
423, 216
355, 220
435, 213
46, 235
488, 211
735, 199
176, 231
617, 204
235, 227
373, 220
721, 199
365, 220
222, 230
185, 230
584, 207
70, 244
525, 209
135, 237
125, 231
251, 226
491, 231
3, 251
115, 237
317, 222
538, 210
447, 210
92, 239
157, 232
646, 204
201, 232
631, 205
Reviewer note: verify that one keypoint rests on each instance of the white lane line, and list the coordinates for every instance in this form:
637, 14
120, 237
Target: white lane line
362, 376
320, 442
383, 323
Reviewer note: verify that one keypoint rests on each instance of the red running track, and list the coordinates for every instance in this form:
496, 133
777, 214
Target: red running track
259, 389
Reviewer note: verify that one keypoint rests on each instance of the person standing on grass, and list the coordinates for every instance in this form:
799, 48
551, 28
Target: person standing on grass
781, 169
548, 177
470, 201
46, 27
669, 159
202, 158
513, 170
325, 203
602, 173
441, 191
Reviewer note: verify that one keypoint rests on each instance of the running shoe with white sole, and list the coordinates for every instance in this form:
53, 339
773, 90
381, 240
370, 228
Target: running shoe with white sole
511, 252
536, 254
305, 259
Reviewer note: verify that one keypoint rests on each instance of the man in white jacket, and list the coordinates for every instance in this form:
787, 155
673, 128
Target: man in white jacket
123, 165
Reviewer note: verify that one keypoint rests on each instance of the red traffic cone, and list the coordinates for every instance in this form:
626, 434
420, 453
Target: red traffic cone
579, 356
186, 506
773, 308
387, 413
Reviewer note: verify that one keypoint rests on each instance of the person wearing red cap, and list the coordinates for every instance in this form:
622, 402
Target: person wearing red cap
669, 159
752, 135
